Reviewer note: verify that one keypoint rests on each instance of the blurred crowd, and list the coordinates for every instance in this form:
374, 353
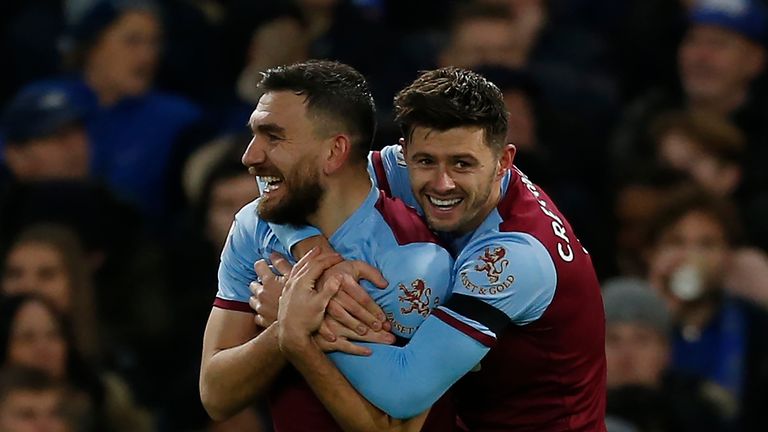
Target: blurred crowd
123, 123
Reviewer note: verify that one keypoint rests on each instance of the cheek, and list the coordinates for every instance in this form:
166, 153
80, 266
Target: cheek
19, 352
58, 291
716, 260
60, 350
418, 179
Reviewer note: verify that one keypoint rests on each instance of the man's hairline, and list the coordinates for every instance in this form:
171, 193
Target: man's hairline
431, 129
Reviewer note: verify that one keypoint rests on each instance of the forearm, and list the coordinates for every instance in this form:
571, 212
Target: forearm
233, 378
350, 410
410, 379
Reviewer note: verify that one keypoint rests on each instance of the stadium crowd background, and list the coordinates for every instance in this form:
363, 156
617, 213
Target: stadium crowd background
123, 124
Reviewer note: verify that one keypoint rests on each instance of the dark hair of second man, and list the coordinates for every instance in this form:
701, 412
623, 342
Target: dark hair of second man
450, 97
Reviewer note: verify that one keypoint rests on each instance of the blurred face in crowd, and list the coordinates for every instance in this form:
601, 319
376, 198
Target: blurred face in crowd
32, 411
455, 176
635, 354
482, 41
698, 241
716, 63
60, 156
33, 267
36, 340
682, 153
228, 195
123, 61
284, 153
522, 121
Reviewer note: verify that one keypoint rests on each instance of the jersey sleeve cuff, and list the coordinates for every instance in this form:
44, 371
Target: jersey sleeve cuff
232, 305
485, 339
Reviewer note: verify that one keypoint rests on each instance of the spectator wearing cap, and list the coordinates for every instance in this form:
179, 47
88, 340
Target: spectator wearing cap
721, 65
717, 336
136, 132
642, 390
47, 150
45, 136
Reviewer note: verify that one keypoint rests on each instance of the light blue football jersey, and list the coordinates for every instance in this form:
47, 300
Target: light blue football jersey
382, 232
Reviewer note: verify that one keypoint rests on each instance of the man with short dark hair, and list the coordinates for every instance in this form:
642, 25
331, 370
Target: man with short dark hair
312, 130
525, 320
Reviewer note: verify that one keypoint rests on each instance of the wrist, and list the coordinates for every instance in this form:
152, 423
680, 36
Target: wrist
292, 342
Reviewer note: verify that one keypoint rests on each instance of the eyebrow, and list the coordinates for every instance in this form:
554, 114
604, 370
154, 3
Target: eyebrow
267, 128
464, 156
452, 157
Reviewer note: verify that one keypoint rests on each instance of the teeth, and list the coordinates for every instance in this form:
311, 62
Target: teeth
271, 183
444, 203
270, 187
270, 179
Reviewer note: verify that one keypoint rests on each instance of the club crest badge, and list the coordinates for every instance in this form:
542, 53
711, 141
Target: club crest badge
417, 298
493, 263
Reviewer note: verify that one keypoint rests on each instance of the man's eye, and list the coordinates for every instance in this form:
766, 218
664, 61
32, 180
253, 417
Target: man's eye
424, 161
463, 164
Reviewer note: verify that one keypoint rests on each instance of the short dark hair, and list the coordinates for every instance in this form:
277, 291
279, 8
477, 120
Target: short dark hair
450, 97
334, 91
689, 199
22, 378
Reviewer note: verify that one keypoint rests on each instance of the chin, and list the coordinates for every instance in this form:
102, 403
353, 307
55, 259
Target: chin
442, 225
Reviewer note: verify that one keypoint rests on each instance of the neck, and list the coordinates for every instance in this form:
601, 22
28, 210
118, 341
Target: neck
106, 93
344, 194
723, 106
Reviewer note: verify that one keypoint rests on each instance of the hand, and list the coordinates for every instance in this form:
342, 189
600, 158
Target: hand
352, 306
302, 308
747, 275
334, 336
266, 295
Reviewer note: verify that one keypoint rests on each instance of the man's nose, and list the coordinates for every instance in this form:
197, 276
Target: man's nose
443, 182
254, 153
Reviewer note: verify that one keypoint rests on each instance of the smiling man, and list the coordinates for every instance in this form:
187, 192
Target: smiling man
312, 131
525, 313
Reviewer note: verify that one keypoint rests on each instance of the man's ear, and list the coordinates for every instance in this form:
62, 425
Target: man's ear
401, 141
338, 153
506, 160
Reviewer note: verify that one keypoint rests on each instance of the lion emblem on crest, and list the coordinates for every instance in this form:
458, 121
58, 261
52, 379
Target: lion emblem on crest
418, 297
493, 263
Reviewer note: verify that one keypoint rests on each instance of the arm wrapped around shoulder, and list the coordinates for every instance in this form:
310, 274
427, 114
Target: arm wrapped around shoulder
405, 381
